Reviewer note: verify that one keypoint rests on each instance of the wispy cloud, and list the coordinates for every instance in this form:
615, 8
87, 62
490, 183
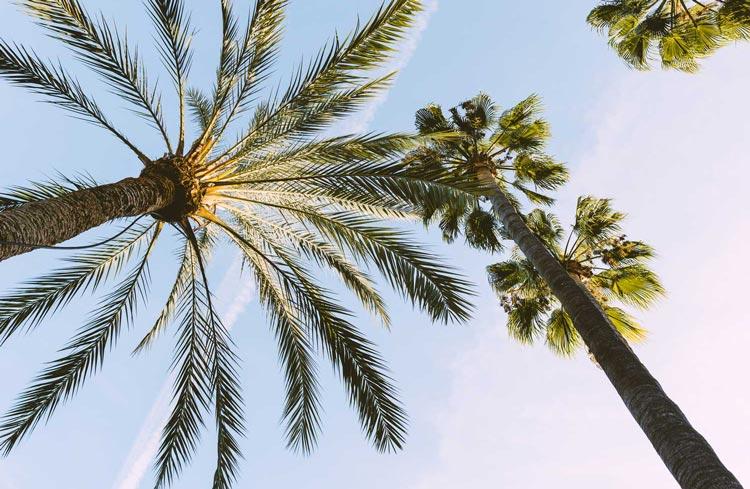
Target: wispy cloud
143, 451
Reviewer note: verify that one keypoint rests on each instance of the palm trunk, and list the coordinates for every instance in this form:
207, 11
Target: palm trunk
687, 455
52, 221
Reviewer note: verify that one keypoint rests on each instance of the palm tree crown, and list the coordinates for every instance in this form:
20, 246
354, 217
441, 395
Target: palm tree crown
678, 32
478, 134
609, 265
288, 199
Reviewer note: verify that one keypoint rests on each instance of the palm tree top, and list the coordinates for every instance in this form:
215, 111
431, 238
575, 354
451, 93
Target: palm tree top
677, 32
613, 269
478, 134
289, 200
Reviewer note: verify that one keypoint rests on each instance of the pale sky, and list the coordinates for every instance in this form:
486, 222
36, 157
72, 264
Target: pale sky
484, 412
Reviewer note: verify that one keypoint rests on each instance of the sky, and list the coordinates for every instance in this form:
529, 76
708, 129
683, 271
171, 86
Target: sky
485, 412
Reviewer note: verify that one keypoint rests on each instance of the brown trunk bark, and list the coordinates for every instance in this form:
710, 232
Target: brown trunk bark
687, 455
52, 221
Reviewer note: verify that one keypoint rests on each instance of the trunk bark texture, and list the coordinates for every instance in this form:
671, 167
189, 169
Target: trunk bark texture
687, 455
52, 221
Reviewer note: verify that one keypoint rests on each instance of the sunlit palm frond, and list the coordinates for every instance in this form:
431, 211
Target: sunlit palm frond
562, 337
635, 285
679, 33
260, 48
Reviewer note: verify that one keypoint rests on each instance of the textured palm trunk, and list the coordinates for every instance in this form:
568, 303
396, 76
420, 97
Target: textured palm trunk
687, 455
52, 221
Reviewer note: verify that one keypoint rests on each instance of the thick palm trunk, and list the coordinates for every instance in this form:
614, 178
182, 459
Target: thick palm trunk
48, 222
687, 455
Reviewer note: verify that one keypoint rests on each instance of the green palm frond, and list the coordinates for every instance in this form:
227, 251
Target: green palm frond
635, 285
102, 48
192, 388
259, 51
84, 355
611, 267
360, 367
206, 240
562, 336
625, 324
679, 33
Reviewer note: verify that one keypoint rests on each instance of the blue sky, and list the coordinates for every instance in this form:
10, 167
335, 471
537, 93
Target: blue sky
484, 411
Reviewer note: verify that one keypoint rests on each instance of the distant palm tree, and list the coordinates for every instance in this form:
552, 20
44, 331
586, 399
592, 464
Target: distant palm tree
609, 265
287, 200
501, 152
678, 32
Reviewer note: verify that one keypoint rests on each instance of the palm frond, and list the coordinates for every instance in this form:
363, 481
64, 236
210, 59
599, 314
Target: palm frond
562, 337
187, 259
174, 33
259, 52
192, 388
23, 67
84, 355
102, 48
32, 303
302, 406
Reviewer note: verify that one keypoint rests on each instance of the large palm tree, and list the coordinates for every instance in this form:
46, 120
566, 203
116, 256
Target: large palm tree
288, 199
503, 152
612, 268
677, 32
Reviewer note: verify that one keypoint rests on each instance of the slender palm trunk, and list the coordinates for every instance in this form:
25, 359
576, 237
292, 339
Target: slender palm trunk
51, 221
687, 455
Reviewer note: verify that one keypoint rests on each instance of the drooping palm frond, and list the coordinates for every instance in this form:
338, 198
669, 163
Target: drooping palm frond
679, 33
610, 266
29, 305
83, 355
294, 201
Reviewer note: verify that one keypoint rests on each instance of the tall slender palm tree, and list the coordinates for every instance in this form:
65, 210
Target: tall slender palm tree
612, 268
502, 152
678, 32
290, 200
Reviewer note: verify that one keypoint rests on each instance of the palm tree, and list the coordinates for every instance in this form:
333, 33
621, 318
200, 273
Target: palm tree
611, 267
679, 32
501, 152
288, 199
